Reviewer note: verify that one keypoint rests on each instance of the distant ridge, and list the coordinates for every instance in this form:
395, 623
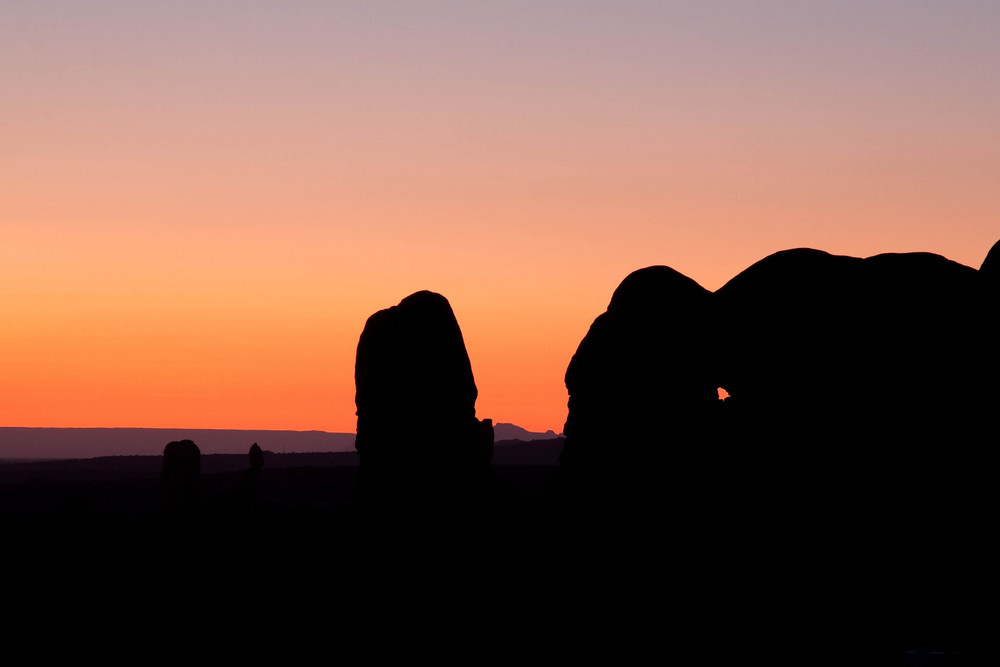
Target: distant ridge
513, 432
83, 443
78, 443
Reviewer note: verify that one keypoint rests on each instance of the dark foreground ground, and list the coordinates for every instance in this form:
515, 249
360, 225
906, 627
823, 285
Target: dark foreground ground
128, 490
88, 544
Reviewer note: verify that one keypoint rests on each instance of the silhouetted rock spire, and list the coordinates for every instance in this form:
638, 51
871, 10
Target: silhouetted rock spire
256, 456
181, 475
251, 482
418, 437
642, 390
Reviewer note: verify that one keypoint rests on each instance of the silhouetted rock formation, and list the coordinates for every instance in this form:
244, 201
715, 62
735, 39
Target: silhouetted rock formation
256, 456
991, 265
418, 438
642, 391
832, 363
860, 392
862, 405
865, 389
858, 364
181, 475
251, 483
790, 336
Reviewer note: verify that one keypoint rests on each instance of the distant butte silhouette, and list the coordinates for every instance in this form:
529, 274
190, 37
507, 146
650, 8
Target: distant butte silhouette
418, 438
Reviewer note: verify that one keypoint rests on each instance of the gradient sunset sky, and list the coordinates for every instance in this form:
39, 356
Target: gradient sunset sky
202, 202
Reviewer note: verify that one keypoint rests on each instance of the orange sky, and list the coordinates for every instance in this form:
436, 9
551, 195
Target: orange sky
201, 205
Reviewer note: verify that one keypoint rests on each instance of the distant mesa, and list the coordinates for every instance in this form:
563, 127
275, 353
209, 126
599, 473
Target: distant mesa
412, 369
82, 443
503, 431
20, 444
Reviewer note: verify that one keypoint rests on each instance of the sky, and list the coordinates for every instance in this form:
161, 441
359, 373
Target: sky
202, 202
